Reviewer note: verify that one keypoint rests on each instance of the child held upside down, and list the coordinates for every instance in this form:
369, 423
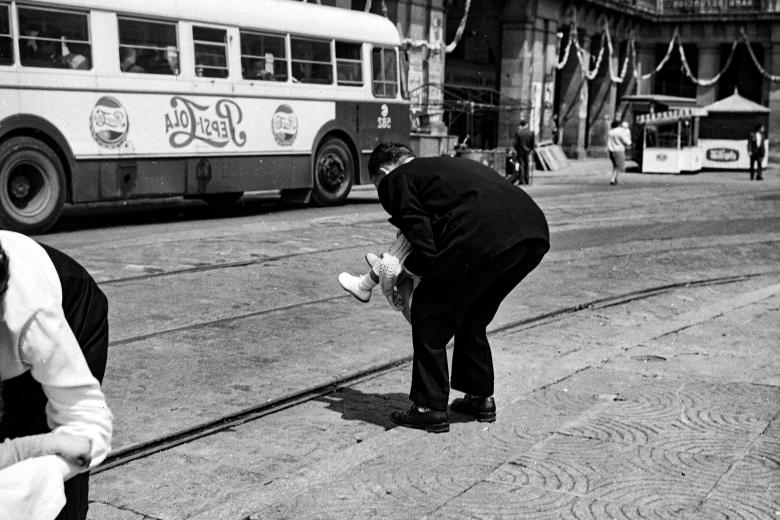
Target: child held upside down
387, 271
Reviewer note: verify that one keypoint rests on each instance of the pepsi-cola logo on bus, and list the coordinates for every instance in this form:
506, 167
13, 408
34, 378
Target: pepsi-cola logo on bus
108, 122
215, 125
722, 155
284, 125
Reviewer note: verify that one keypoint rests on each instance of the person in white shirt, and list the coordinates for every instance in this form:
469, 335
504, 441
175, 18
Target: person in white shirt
53, 347
618, 138
756, 151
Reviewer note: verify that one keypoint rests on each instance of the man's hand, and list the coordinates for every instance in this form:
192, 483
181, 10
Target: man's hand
75, 449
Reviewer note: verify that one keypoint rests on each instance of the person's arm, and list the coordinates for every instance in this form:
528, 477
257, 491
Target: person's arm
76, 405
400, 200
75, 449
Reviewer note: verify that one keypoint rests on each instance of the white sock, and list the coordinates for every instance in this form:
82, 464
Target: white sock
367, 283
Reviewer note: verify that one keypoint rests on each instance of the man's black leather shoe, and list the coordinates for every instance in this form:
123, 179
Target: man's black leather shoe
482, 408
432, 420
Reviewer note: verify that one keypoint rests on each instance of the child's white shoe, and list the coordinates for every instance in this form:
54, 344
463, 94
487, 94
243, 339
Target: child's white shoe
372, 259
354, 286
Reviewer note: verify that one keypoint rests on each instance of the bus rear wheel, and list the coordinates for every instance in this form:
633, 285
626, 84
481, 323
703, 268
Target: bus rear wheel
32, 185
334, 169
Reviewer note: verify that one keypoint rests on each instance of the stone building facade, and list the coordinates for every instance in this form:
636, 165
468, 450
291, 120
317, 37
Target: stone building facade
508, 64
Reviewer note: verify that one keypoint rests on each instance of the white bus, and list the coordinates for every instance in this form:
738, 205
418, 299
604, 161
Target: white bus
107, 100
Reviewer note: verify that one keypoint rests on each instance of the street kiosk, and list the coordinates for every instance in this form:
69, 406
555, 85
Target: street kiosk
724, 132
670, 141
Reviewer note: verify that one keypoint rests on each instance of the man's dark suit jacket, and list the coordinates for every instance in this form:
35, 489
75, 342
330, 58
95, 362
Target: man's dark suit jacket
457, 213
524, 141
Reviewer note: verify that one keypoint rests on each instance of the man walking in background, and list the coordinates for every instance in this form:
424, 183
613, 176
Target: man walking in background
618, 138
524, 145
473, 238
756, 151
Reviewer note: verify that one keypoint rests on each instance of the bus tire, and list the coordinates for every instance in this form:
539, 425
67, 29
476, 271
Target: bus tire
222, 200
32, 185
334, 171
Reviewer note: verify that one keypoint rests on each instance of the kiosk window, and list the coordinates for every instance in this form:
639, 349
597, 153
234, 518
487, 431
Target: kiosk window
6, 44
263, 57
311, 61
210, 52
148, 47
54, 39
383, 64
349, 66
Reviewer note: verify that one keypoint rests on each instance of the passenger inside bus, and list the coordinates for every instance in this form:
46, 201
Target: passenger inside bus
128, 57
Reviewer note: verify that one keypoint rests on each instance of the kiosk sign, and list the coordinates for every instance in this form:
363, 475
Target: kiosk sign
723, 155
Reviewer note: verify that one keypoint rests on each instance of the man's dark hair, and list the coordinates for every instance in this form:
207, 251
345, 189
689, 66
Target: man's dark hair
523, 122
758, 127
4, 273
615, 124
386, 153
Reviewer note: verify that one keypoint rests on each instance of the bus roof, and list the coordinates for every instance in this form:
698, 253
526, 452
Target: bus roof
291, 16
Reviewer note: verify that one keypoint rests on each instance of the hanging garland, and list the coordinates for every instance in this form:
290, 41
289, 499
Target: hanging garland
613, 77
761, 69
712, 80
440, 45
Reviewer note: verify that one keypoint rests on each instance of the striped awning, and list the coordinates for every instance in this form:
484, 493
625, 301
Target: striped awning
671, 116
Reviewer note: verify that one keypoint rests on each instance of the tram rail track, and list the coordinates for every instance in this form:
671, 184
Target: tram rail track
165, 442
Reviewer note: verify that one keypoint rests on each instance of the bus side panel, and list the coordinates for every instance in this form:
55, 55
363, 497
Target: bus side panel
125, 179
373, 123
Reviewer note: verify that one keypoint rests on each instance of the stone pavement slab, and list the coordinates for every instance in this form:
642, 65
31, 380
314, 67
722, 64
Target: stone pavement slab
588, 427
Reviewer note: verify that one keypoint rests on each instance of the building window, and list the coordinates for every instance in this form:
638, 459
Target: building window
263, 57
383, 64
148, 47
311, 61
349, 66
54, 39
210, 52
6, 43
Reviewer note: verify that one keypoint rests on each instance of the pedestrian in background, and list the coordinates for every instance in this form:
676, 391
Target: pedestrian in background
524, 144
618, 138
756, 151
53, 347
473, 239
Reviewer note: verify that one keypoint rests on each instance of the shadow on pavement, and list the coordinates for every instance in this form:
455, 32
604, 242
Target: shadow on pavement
354, 405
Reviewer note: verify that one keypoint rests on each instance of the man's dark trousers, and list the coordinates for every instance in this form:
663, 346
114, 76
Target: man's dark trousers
86, 310
463, 307
756, 160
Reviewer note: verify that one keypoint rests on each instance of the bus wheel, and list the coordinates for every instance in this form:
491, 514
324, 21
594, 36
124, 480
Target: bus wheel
334, 170
222, 199
32, 185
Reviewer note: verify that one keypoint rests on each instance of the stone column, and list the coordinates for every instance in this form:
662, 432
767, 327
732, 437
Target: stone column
645, 63
601, 104
709, 65
772, 61
436, 34
551, 42
574, 103
517, 43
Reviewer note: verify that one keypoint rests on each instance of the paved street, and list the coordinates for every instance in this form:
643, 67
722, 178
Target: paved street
637, 368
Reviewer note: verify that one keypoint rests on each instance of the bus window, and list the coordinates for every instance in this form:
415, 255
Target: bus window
311, 61
383, 63
263, 57
210, 52
6, 47
54, 39
148, 47
349, 67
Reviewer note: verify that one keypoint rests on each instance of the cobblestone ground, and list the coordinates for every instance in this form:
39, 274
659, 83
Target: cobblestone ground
642, 393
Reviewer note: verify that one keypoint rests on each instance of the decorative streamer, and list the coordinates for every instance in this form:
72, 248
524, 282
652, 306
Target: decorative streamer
440, 45
761, 69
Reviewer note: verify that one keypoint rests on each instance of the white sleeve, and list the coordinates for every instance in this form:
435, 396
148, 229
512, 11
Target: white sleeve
33, 488
76, 403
